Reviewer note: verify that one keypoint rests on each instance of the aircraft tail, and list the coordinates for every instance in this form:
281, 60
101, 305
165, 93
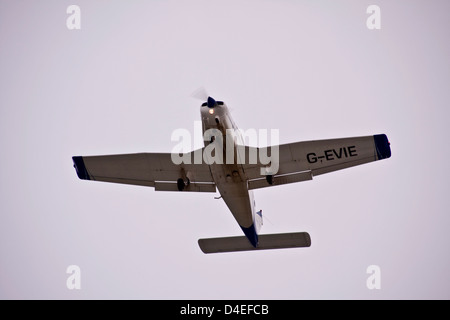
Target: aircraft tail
258, 220
266, 241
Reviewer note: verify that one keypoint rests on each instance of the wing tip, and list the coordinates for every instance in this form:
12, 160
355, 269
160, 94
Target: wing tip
382, 146
78, 164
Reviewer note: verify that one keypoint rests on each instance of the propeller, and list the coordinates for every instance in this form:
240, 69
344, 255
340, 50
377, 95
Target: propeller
202, 95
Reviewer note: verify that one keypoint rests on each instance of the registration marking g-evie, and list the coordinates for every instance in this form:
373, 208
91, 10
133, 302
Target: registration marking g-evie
332, 154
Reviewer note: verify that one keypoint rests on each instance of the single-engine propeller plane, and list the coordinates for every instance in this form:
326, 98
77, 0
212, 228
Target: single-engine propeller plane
244, 170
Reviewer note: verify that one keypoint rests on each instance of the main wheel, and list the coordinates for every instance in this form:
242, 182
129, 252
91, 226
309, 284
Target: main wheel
180, 184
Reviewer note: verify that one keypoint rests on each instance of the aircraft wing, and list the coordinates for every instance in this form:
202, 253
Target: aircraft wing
146, 169
300, 161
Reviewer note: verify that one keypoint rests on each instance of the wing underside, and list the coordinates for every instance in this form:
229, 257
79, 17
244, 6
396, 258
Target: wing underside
145, 169
301, 161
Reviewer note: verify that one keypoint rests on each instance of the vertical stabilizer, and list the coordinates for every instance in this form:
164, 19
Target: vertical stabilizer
258, 220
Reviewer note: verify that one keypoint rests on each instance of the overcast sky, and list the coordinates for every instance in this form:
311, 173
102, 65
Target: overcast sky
312, 69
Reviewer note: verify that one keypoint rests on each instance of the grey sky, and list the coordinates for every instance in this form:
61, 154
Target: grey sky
311, 69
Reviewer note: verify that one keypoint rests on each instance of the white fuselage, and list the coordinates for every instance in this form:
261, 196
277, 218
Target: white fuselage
228, 176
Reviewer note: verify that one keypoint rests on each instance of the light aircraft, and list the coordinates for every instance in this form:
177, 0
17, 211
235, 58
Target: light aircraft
236, 178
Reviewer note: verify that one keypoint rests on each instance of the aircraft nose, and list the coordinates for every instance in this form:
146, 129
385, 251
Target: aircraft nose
211, 102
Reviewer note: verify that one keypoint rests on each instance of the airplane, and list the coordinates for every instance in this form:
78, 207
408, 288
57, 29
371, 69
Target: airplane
236, 178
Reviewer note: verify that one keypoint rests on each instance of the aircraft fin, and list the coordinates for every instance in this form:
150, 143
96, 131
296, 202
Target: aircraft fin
258, 220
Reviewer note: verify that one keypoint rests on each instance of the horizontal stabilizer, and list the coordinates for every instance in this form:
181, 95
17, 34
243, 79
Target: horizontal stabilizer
266, 241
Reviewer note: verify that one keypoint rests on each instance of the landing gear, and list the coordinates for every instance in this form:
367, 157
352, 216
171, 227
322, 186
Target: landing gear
181, 184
